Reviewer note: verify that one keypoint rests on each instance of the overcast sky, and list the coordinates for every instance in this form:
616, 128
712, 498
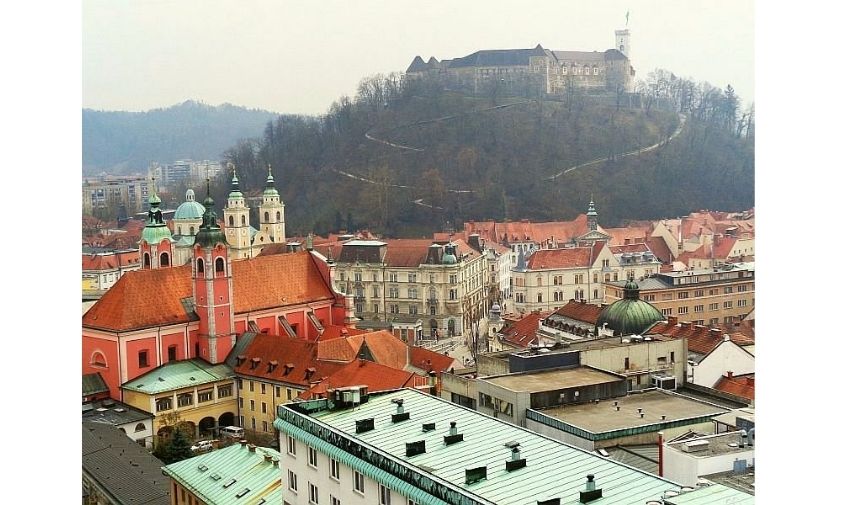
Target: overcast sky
299, 56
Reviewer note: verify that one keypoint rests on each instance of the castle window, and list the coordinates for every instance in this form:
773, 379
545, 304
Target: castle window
266, 217
278, 216
165, 259
219, 265
243, 220
231, 221
199, 265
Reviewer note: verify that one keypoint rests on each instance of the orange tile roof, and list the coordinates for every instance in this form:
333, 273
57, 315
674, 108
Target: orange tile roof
723, 247
660, 249
142, 299
520, 231
629, 248
385, 348
338, 331
523, 332
359, 372
406, 252
700, 339
149, 298
282, 359
570, 257
627, 235
580, 311
428, 360
738, 385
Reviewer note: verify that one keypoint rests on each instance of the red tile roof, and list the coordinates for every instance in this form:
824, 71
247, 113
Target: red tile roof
570, 257
365, 373
337, 331
109, 261
660, 249
627, 235
282, 359
700, 339
630, 248
580, 311
149, 298
738, 385
523, 332
385, 348
723, 247
521, 231
428, 360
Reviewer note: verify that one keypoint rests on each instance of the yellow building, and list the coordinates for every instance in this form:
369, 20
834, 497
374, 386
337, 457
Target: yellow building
706, 297
191, 391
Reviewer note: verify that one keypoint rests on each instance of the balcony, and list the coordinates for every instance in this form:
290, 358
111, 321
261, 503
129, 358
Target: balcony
433, 301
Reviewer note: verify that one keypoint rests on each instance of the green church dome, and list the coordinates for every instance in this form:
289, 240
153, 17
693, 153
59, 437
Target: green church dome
629, 315
449, 258
189, 209
156, 229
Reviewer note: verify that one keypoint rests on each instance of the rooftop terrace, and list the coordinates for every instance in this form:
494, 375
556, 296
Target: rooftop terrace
536, 382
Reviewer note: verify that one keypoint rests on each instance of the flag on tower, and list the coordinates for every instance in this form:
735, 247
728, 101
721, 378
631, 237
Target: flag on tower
627, 18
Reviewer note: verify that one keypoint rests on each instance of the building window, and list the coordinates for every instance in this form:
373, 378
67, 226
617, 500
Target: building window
241, 403
667, 312
682, 310
650, 298
294, 481
205, 396
313, 494
452, 294
289, 394
727, 290
225, 391
253, 424
145, 260
714, 320
312, 457
264, 407
165, 259
727, 304
699, 308
219, 265
335, 469
143, 359
251, 385
384, 495
742, 288
163, 404
432, 310
672, 357
265, 427
184, 399
358, 482
98, 359
596, 277
413, 310
742, 303
699, 292
728, 320
277, 391
540, 297
335, 501
412, 277
627, 363
392, 277
714, 306
595, 294
452, 279
394, 293
291, 445
683, 295
252, 405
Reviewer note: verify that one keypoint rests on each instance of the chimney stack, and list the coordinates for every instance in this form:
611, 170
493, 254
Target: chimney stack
592, 492
729, 374
432, 382
453, 429
743, 439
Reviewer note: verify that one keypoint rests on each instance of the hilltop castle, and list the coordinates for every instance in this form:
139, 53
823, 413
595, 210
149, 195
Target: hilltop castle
537, 68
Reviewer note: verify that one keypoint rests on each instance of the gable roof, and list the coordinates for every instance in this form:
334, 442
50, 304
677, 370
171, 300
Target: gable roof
110, 261
406, 252
700, 339
124, 469
738, 385
360, 372
660, 249
497, 57
428, 360
385, 348
568, 257
149, 298
522, 231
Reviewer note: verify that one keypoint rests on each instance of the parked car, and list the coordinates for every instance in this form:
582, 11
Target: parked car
232, 432
202, 445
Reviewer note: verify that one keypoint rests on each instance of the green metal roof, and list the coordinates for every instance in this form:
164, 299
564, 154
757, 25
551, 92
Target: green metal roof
553, 469
210, 233
93, 383
189, 210
178, 375
715, 494
207, 474
630, 315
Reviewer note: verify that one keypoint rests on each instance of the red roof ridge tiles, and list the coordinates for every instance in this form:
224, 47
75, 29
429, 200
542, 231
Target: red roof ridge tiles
700, 339
568, 257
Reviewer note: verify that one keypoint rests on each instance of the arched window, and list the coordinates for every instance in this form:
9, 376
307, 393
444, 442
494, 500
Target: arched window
192, 231
594, 70
243, 220
219, 265
98, 359
165, 259
231, 221
540, 297
587, 70
278, 216
266, 217
145, 260
199, 265
139, 427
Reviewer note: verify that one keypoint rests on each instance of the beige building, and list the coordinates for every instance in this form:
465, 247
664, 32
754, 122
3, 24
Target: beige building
246, 241
109, 192
443, 286
704, 297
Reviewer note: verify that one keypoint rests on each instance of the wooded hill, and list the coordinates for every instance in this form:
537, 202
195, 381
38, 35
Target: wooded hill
417, 141
120, 142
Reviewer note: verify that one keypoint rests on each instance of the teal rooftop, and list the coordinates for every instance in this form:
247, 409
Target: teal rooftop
178, 375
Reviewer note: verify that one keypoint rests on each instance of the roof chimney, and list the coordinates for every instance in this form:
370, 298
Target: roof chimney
729, 374
516, 462
453, 437
673, 320
743, 439
400, 415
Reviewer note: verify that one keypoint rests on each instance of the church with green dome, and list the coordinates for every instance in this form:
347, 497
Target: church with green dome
630, 315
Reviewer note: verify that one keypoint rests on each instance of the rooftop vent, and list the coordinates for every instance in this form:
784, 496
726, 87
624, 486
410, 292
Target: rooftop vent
272, 365
696, 446
215, 476
309, 372
288, 368
254, 363
202, 467
476, 474
243, 492
229, 483
363, 425
592, 492
453, 437
400, 415
428, 427
415, 448
516, 462
551, 501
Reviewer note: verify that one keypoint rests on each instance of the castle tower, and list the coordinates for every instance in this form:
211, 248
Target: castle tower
186, 221
212, 275
622, 41
592, 216
272, 213
156, 246
237, 222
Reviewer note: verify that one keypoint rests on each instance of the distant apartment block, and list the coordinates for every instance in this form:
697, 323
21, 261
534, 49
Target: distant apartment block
111, 191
